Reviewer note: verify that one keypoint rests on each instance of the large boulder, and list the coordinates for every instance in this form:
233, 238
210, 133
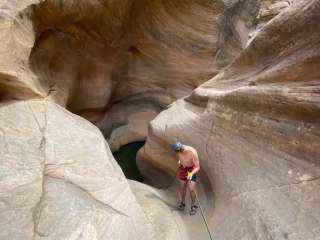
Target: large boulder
256, 129
59, 179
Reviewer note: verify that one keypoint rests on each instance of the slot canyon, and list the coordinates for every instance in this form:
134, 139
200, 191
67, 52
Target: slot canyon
94, 93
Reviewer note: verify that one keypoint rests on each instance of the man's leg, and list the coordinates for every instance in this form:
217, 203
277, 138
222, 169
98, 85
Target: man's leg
191, 187
182, 190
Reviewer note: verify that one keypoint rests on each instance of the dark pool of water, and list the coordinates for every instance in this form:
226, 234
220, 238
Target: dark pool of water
126, 158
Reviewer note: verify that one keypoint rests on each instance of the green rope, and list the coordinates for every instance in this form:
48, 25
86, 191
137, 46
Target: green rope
203, 217
202, 212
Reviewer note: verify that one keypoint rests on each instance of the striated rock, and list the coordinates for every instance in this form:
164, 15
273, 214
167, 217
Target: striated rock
58, 177
99, 57
120, 63
269, 9
256, 128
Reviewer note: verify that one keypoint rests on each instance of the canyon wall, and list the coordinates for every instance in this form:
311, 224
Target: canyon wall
119, 64
256, 128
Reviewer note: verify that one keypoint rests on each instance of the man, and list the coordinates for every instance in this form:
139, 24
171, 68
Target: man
188, 161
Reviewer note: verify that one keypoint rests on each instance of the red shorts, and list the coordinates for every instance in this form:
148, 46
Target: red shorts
183, 173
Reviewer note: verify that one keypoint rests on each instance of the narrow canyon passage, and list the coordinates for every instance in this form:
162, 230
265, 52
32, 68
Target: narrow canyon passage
189, 227
93, 93
118, 66
126, 158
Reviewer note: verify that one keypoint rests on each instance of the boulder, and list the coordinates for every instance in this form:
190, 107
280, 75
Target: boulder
59, 179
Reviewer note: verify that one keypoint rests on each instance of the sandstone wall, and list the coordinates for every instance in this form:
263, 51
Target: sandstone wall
256, 128
101, 59
58, 178
119, 63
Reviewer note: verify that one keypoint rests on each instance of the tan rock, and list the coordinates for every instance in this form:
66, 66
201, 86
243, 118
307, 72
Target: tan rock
61, 182
119, 63
97, 56
256, 129
22, 154
269, 9
17, 38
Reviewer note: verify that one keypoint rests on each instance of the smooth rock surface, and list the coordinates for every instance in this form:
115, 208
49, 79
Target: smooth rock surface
120, 63
59, 180
97, 58
21, 165
256, 128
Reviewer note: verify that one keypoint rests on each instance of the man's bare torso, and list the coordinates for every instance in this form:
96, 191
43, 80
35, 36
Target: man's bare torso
187, 157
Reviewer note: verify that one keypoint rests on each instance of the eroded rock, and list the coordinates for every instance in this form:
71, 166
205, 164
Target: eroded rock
98, 56
17, 81
119, 63
62, 183
256, 128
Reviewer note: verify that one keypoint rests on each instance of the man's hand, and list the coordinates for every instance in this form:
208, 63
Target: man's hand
189, 176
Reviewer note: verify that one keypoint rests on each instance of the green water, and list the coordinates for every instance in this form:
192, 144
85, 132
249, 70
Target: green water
126, 158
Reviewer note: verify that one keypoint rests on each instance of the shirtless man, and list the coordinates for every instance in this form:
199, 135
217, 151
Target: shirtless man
188, 161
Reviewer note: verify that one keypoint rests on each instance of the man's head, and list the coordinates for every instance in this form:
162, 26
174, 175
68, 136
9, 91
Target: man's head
178, 147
